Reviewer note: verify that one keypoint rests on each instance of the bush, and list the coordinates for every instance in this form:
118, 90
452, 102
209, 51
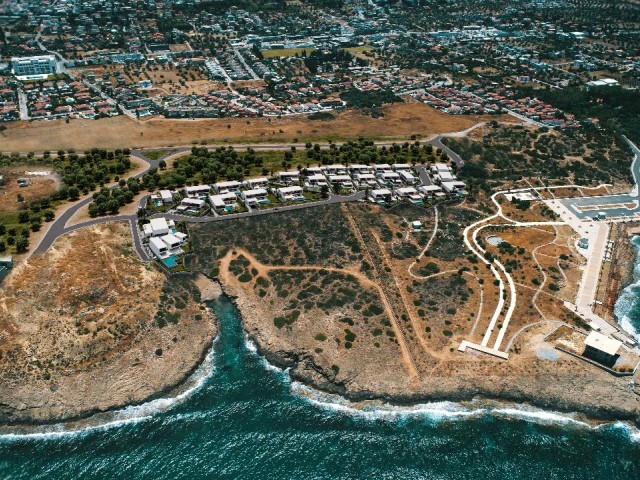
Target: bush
447, 333
158, 352
321, 337
245, 277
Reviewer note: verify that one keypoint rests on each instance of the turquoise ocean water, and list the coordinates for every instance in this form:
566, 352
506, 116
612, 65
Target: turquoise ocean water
247, 420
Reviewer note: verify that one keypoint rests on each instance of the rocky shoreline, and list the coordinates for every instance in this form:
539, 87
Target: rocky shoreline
304, 369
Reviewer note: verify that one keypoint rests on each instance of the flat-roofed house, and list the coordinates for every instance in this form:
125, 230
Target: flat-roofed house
158, 227
429, 190
366, 179
261, 182
390, 178
191, 204
224, 201
401, 167
341, 181
381, 195
380, 168
166, 196
167, 245
312, 171
197, 191
335, 169
410, 194
315, 180
407, 177
289, 177
226, 187
601, 348
288, 194
454, 187
255, 196
355, 169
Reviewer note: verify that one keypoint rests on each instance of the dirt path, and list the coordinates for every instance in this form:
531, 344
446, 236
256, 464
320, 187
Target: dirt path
263, 270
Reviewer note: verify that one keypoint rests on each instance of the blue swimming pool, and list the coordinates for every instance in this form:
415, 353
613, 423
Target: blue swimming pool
170, 261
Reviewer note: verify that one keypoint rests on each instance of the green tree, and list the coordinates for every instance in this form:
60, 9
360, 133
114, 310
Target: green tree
22, 245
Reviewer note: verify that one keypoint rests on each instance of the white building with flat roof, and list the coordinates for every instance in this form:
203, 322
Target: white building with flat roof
255, 196
390, 178
410, 194
289, 177
224, 201
336, 169
197, 191
354, 169
341, 181
261, 182
401, 167
34, 68
158, 227
381, 195
366, 180
288, 194
315, 180
226, 187
601, 348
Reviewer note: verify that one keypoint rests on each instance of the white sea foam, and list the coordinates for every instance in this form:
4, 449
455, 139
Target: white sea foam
448, 411
252, 347
130, 415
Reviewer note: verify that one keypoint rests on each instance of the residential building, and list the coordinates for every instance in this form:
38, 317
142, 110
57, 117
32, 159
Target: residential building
158, 227
288, 194
390, 178
315, 180
289, 177
407, 177
255, 196
410, 194
341, 181
224, 201
34, 67
382, 195
198, 191
253, 183
226, 187
191, 205
366, 180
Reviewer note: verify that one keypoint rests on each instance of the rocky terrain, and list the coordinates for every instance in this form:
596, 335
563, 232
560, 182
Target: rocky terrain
87, 328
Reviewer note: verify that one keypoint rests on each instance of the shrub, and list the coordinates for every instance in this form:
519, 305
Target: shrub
447, 333
158, 352
321, 337
245, 277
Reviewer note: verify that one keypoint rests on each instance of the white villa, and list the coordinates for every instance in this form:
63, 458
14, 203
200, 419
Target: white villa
379, 168
262, 182
336, 169
224, 201
167, 245
401, 167
313, 171
342, 181
255, 196
391, 178
315, 180
288, 194
408, 177
366, 179
197, 191
158, 227
430, 190
410, 194
454, 187
382, 195
226, 187
356, 169
191, 204
289, 177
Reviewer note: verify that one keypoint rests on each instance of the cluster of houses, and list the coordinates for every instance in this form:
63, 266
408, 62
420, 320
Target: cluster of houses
384, 184
63, 98
164, 240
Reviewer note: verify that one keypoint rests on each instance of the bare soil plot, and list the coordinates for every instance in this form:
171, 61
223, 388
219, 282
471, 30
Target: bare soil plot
40, 186
400, 121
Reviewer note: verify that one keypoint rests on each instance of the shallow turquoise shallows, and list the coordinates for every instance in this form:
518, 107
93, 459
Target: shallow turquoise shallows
244, 422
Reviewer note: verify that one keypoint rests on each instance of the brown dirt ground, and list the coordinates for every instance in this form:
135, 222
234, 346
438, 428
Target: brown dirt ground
400, 121
77, 340
41, 186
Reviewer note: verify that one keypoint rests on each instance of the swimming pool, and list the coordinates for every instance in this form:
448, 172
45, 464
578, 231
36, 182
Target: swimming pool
170, 261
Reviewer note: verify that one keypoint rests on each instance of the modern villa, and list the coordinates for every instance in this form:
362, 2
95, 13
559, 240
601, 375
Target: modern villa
410, 194
224, 201
288, 194
315, 180
341, 181
255, 196
382, 195
289, 177
253, 183
226, 187
197, 191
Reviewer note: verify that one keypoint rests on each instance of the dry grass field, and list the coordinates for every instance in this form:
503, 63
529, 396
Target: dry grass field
400, 121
